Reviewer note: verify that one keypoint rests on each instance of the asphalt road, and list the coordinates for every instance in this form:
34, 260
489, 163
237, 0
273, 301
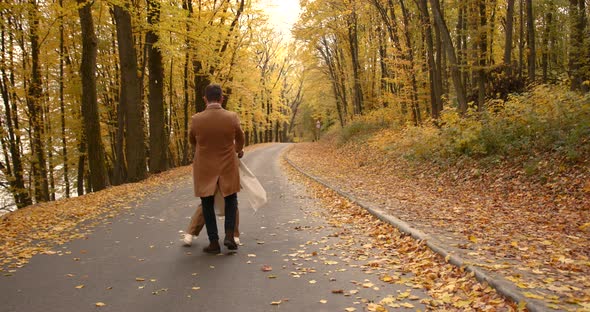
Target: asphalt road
137, 263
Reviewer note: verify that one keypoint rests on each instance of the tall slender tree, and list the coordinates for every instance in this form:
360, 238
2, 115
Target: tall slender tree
62, 107
34, 98
531, 50
158, 138
450, 51
96, 159
130, 96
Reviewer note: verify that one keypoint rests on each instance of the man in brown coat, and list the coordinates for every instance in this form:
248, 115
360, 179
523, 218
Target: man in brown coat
216, 136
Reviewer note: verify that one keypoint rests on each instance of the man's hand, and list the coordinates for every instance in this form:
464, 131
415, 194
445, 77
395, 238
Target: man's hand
240, 154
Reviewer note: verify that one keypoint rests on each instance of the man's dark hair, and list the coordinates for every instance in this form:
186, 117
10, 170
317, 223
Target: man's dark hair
213, 93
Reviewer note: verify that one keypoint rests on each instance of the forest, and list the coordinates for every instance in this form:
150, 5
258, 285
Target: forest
99, 93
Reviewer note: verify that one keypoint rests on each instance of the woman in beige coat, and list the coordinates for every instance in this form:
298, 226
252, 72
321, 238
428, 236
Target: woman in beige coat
217, 136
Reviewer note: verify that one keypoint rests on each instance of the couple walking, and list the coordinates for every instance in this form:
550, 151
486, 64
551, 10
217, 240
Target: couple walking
217, 139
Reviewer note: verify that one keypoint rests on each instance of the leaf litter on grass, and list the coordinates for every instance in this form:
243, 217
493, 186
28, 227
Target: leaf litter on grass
387, 254
532, 234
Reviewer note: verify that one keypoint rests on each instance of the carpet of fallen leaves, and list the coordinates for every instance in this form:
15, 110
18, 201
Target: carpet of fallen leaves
389, 254
37, 229
536, 234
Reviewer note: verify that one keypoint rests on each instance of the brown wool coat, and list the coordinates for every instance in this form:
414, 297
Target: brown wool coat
216, 136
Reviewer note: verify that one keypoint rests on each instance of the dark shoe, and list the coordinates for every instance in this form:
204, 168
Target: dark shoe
229, 242
213, 248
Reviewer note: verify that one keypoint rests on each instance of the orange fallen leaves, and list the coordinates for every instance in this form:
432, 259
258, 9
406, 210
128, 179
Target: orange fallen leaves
370, 240
37, 229
497, 220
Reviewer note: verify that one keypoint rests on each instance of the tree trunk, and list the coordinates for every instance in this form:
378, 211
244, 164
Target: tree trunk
435, 92
352, 21
545, 49
64, 146
131, 97
455, 72
90, 116
81, 164
532, 53
577, 54
34, 104
416, 115
509, 33
16, 180
158, 141
521, 39
185, 148
483, 49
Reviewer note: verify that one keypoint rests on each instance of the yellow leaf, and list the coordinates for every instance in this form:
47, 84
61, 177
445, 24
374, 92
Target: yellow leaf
387, 278
330, 262
406, 305
79, 286
462, 304
196, 288
350, 309
532, 295
324, 301
139, 279
585, 226
312, 282
472, 238
100, 304
276, 302
373, 307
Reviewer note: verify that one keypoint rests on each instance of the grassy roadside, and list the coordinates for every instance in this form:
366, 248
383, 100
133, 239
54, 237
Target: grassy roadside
521, 208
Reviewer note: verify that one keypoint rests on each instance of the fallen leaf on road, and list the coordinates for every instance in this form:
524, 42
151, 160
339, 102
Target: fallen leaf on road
266, 268
79, 286
337, 291
276, 302
324, 301
373, 307
100, 304
140, 279
350, 309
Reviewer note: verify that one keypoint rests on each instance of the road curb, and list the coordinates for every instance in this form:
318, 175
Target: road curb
502, 285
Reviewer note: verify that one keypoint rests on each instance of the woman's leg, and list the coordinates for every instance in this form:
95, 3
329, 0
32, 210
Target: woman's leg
197, 222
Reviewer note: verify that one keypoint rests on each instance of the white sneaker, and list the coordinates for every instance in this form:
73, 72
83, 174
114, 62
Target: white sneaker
237, 239
187, 240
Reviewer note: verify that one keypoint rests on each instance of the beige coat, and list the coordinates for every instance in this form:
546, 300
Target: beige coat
216, 135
